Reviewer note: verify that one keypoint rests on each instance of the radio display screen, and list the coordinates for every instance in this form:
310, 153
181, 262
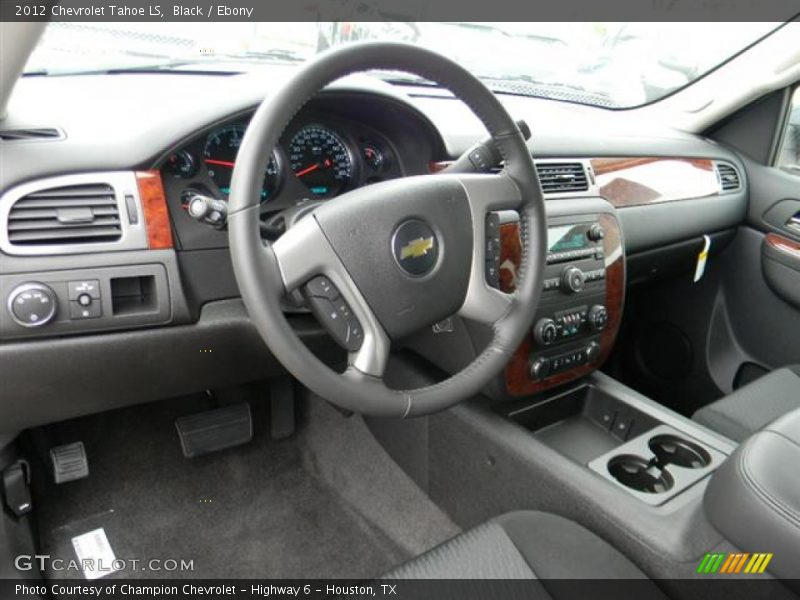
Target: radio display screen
567, 237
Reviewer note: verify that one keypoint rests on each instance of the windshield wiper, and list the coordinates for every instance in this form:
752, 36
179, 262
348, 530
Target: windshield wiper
203, 64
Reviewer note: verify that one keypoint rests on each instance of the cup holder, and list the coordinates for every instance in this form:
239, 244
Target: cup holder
639, 474
673, 450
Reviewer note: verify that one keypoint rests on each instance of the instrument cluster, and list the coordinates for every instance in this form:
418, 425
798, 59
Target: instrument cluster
315, 160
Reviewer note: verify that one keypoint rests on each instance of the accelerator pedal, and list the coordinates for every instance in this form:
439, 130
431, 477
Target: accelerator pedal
215, 429
69, 462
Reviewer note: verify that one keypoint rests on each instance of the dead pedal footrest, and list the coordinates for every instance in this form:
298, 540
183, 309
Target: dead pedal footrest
69, 462
214, 430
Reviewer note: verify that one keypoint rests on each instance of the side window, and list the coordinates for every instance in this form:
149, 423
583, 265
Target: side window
789, 155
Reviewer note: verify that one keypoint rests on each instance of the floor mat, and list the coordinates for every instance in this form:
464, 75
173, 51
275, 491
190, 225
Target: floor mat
267, 509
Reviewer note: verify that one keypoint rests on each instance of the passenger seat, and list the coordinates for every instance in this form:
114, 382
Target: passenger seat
753, 406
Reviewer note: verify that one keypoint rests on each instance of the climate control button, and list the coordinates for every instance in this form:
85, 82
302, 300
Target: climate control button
598, 317
545, 331
32, 304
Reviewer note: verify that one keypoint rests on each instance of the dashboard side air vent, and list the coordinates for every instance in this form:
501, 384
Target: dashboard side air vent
34, 133
82, 214
729, 179
562, 177
73, 214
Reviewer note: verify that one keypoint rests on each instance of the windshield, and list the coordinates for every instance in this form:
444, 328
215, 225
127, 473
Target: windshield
616, 65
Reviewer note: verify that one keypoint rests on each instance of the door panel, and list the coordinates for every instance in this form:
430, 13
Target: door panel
781, 264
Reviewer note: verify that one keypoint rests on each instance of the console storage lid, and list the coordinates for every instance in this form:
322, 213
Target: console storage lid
754, 497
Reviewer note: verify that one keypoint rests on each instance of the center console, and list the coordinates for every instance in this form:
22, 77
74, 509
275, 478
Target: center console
635, 446
580, 309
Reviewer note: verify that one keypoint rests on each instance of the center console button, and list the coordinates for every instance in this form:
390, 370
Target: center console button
592, 352
573, 280
596, 232
539, 369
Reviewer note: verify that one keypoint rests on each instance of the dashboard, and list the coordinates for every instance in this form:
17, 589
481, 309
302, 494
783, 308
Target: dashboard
145, 302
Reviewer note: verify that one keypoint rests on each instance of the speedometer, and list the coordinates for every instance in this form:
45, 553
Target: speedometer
320, 160
219, 155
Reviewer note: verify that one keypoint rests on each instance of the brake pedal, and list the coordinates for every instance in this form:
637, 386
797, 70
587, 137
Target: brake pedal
215, 430
69, 462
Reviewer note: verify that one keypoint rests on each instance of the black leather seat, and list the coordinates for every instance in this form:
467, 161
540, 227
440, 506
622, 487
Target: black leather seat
524, 545
753, 406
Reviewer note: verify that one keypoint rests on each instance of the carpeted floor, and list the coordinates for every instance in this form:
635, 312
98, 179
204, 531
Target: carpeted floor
328, 502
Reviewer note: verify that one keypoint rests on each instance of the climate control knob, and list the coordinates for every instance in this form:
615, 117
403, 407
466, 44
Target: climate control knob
545, 331
572, 280
32, 304
598, 317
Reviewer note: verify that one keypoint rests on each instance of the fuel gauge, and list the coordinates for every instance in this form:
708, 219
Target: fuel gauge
182, 164
373, 157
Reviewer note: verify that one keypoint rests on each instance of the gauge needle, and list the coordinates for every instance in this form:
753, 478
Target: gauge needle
326, 163
307, 170
223, 163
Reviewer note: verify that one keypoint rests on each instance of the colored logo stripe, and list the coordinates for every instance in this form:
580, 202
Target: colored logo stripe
733, 563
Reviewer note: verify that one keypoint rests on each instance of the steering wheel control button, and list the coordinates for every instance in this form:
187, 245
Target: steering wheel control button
90, 287
334, 313
32, 304
492, 233
415, 247
321, 287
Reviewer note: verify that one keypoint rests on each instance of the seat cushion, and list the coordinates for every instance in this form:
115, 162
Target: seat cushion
522, 545
753, 406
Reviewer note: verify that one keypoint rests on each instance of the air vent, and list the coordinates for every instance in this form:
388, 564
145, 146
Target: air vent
18, 135
75, 214
729, 179
562, 177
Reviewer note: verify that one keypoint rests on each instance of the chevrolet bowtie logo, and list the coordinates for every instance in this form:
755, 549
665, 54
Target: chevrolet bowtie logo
416, 248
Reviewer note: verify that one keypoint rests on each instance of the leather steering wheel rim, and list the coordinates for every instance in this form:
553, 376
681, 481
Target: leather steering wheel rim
266, 272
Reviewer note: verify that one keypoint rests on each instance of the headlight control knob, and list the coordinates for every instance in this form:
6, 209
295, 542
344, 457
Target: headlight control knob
32, 304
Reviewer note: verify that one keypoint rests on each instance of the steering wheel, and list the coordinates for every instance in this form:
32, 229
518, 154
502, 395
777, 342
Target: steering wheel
393, 257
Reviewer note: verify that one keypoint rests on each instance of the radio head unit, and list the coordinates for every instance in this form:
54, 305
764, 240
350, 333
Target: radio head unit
581, 303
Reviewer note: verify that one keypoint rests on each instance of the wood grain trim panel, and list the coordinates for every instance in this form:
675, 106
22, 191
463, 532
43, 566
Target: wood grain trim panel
517, 379
783, 244
154, 205
639, 181
438, 166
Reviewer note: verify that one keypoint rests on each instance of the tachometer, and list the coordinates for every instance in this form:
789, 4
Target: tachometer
320, 160
219, 155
